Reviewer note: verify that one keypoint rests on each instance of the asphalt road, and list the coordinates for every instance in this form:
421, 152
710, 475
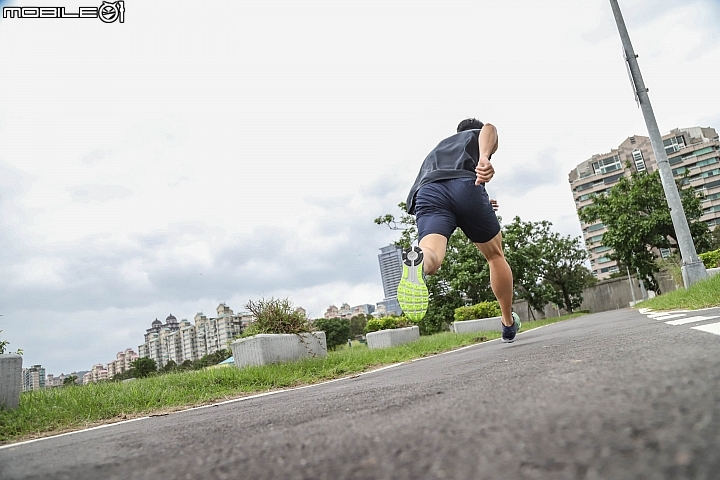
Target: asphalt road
616, 395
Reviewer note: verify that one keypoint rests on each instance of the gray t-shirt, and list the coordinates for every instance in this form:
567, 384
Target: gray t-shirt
455, 157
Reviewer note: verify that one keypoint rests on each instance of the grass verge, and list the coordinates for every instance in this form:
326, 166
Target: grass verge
49, 412
703, 294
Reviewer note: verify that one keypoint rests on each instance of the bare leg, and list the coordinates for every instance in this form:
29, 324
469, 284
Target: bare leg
433, 247
501, 277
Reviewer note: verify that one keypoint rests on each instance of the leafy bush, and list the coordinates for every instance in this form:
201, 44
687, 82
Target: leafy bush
711, 259
210, 359
387, 323
337, 330
143, 367
275, 316
480, 310
357, 324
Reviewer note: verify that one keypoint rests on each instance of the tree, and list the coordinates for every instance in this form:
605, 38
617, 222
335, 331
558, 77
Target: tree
564, 270
524, 246
546, 267
337, 330
358, 323
714, 239
170, 366
405, 224
637, 218
70, 381
142, 367
118, 377
211, 359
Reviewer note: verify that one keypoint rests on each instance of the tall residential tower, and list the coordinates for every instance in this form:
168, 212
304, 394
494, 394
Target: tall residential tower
390, 259
694, 150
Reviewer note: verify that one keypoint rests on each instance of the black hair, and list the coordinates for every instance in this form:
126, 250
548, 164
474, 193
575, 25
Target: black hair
469, 124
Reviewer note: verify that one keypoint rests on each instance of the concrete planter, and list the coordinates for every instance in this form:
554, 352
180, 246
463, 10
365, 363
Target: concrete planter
713, 271
392, 337
267, 348
492, 324
10, 380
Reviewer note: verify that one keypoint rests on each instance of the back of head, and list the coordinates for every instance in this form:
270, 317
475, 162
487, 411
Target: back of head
469, 124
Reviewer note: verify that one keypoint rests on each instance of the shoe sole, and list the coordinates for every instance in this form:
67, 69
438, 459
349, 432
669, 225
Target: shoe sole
412, 293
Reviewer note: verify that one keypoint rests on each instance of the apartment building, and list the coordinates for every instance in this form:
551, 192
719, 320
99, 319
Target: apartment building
346, 311
122, 363
181, 341
33, 378
695, 151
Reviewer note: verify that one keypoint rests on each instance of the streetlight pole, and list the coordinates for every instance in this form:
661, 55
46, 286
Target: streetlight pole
693, 268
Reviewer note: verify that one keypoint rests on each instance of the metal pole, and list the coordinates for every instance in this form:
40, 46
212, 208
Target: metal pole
632, 289
692, 267
643, 291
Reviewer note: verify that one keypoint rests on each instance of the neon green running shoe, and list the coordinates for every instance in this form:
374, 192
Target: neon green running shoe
412, 293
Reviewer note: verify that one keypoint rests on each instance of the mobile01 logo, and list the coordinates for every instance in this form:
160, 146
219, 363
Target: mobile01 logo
108, 12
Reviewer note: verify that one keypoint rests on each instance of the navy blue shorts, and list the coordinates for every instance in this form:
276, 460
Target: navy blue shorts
442, 206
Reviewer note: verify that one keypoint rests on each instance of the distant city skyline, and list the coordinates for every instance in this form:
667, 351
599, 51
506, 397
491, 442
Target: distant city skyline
102, 371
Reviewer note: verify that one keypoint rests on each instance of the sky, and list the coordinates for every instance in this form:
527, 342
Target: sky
205, 152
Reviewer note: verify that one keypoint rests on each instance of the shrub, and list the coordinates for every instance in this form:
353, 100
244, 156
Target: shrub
143, 367
275, 316
480, 310
337, 330
386, 323
711, 259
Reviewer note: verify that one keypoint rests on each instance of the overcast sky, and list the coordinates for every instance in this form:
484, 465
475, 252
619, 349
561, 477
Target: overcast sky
199, 154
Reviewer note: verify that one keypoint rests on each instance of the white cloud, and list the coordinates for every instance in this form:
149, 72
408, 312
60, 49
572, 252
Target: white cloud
99, 193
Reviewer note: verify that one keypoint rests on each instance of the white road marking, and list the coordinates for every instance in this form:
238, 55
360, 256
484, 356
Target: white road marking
683, 321
712, 328
666, 317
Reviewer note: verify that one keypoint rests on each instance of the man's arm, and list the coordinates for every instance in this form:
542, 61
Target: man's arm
488, 143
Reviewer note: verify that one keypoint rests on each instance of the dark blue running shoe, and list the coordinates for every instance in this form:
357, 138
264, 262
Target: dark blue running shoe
508, 333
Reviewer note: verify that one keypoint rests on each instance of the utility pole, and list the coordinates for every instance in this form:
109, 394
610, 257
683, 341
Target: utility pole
632, 287
693, 268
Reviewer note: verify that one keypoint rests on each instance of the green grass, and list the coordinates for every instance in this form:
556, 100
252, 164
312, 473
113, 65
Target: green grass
703, 294
52, 411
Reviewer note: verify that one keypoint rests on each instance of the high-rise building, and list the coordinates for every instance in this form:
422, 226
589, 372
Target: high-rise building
695, 151
184, 341
98, 373
33, 378
390, 260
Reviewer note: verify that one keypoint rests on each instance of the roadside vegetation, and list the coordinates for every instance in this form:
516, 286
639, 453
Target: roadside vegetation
633, 238
547, 268
57, 410
703, 294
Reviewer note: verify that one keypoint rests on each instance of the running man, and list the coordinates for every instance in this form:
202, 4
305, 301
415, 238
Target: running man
449, 192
